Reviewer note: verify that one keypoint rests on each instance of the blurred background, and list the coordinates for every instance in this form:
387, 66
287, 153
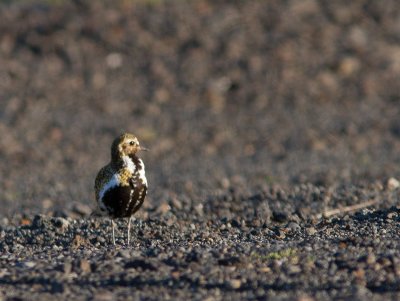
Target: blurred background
227, 95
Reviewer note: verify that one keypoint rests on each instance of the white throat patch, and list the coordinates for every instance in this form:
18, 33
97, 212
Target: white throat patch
128, 164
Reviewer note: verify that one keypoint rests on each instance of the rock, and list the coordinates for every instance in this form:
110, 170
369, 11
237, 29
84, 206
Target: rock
228, 261
84, 266
393, 184
176, 203
114, 60
199, 209
234, 283
265, 269
370, 259
47, 203
104, 296
235, 223
305, 298
67, 267
311, 231
163, 208
349, 65
78, 242
294, 269
293, 226
28, 264
61, 224
124, 254
38, 221
140, 264
81, 209
57, 288
279, 217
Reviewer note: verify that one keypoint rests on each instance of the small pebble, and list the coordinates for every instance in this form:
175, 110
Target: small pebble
311, 231
234, 283
84, 266
393, 184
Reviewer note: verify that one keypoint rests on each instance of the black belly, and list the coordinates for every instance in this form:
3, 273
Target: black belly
124, 201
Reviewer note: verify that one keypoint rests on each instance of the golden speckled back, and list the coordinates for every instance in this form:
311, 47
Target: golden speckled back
103, 177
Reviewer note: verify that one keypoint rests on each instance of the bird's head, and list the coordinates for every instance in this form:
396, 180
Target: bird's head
125, 145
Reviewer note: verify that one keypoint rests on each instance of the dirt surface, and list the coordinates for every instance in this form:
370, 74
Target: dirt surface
261, 116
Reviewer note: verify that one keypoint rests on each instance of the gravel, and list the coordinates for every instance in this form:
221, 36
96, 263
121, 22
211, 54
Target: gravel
240, 257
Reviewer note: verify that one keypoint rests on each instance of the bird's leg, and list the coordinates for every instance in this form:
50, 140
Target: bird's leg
129, 229
113, 232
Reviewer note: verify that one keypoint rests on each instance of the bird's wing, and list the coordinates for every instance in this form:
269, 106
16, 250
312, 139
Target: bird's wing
102, 178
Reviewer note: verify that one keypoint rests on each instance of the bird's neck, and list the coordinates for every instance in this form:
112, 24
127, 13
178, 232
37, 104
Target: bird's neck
125, 162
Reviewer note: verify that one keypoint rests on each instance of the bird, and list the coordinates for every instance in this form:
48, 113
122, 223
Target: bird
121, 185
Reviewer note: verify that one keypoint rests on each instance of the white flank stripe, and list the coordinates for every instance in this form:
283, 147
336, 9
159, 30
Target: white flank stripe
114, 181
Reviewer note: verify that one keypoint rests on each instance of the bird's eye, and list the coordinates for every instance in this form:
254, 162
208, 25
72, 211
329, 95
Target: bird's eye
132, 143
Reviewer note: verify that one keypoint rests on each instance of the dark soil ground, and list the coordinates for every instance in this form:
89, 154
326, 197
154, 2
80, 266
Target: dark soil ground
261, 116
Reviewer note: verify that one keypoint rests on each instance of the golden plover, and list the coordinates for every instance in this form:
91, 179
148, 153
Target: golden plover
121, 185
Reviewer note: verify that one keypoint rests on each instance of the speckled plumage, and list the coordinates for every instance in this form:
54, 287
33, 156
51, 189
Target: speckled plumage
121, 185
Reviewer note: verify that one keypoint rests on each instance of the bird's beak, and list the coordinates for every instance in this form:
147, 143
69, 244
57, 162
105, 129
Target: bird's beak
141, 148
